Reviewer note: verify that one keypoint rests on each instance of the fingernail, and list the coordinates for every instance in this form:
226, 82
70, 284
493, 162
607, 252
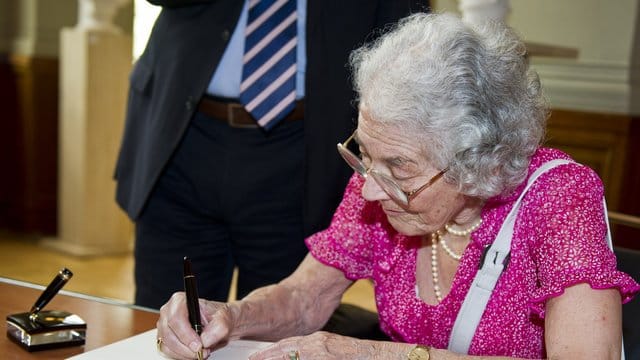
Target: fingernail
194, 346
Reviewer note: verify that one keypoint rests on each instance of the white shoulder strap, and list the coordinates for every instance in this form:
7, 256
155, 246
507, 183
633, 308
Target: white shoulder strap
610, 243
495, 260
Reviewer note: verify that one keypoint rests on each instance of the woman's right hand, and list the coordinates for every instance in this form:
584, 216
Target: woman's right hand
179, 340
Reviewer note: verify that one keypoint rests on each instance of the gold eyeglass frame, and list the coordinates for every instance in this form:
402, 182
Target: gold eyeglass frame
386, 182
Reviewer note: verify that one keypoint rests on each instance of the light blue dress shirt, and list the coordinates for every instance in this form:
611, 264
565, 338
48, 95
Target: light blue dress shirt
227, 77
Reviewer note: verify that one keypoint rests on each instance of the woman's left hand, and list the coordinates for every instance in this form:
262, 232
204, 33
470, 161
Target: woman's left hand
326, 346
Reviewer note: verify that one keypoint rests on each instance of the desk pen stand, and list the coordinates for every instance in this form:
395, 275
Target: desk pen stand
49, 329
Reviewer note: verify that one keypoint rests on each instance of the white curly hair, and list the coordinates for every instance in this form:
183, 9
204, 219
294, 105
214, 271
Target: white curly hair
465, 94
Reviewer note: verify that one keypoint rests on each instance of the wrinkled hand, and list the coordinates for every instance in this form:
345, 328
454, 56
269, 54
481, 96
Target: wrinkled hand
179, 340
319, 345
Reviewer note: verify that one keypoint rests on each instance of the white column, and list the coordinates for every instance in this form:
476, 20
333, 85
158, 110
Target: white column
477, 11
97, 15
95, 61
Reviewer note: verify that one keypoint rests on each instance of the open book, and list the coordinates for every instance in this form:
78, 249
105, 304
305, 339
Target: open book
143, 346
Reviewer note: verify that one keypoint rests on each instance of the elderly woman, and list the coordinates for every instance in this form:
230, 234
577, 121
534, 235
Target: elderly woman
449, 132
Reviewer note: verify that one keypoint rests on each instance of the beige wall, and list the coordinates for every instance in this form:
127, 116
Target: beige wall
602, 78
602, 30
6, 25
32, 27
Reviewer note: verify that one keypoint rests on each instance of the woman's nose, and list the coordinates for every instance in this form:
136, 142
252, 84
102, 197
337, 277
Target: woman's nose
372, 191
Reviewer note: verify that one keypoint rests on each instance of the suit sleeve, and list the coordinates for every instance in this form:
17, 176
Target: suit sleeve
178, 3
390, 11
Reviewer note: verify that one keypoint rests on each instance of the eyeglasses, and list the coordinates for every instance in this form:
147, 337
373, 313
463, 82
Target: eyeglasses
387, 183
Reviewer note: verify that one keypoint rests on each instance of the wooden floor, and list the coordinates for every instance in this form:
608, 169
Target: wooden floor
22, 258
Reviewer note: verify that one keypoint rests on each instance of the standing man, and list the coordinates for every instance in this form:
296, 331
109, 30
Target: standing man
226, 167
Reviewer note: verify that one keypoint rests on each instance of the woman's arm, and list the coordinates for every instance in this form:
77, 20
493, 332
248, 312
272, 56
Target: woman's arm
326, 346
298, 305
584, 323
580, 323
178, 3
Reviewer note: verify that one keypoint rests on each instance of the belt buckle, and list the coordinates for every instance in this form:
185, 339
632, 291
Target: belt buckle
232, 109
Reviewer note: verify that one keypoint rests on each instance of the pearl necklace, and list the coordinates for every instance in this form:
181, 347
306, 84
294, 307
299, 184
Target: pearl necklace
464, 232
455, 232
447, 249
436, 237
434, 266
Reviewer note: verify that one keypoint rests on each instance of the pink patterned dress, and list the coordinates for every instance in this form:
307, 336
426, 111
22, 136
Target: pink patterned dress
559, 240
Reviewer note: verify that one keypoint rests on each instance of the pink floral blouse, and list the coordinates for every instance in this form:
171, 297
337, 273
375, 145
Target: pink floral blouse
559, 240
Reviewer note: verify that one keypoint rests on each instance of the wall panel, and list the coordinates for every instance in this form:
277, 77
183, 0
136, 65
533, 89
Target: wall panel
29, 136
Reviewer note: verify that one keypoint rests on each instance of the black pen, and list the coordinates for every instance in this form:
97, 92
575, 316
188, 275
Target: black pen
52, 289
191, 289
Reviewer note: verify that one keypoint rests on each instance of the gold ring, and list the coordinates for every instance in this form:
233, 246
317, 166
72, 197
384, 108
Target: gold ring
159, 344
294, 355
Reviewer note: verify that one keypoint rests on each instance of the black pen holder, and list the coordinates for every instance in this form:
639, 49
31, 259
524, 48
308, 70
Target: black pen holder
47, 330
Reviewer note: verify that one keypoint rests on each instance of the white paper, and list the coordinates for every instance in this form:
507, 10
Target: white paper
143, 346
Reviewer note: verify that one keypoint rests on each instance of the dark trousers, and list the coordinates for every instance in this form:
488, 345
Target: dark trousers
228, 198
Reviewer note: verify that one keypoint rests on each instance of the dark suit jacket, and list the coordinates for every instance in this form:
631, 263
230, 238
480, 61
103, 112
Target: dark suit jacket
184, 49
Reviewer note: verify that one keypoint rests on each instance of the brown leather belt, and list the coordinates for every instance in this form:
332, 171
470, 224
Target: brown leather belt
234, 114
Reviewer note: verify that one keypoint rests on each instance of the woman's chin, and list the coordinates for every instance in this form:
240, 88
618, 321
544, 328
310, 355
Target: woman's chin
404, 227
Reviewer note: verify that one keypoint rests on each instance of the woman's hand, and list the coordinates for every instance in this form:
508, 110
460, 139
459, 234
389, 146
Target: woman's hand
322, 345
179, 340
299, 304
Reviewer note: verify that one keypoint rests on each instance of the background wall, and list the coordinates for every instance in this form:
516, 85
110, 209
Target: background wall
32, 27
29, 99
37, 24
602, 78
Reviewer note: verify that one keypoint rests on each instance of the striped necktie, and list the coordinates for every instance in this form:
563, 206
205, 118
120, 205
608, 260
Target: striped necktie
268, 87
